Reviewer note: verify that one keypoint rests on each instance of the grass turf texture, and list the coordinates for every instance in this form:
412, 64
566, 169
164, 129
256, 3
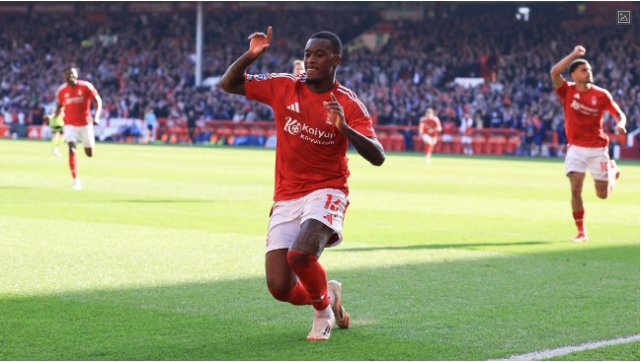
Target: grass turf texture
160, 257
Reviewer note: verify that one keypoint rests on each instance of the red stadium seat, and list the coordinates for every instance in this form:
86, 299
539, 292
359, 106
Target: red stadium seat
457, 146
446, 147
478, 144
512, 144
397, 142
498, 145
384, 139
417, 142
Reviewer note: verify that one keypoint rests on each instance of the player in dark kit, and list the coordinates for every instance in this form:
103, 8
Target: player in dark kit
315, 118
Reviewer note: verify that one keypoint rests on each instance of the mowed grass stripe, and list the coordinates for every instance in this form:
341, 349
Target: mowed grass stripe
481, 315
160, 256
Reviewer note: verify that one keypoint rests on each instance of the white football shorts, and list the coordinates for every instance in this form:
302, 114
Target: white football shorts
82, 133
325, 205
578, 159
429, 139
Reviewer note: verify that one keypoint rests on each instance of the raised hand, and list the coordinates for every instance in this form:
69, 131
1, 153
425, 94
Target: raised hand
258, 42
335, 114
579, 51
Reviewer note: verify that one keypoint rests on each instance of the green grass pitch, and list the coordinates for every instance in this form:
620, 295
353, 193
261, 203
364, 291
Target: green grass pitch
160, 257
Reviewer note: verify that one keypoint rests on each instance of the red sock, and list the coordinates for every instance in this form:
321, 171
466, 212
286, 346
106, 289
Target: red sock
578, 220
428, 149
296, 296
311, 275
72, 164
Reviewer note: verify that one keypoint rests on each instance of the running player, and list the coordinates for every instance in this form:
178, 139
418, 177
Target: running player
76, 96
428, 129
315, 118
584, 104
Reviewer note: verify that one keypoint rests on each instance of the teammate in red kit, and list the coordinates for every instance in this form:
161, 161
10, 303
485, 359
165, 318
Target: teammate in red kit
315, 118
76, 97
299, 67
584, 105
429, 127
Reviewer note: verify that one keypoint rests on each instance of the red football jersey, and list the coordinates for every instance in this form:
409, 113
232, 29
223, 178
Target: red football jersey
76, 101
430, 125
584, 114
310, 151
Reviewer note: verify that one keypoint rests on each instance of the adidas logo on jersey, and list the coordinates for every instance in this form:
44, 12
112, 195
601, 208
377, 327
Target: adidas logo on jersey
294, 107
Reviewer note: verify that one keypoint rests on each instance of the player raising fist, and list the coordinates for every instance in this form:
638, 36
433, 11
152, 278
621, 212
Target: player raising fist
584, 104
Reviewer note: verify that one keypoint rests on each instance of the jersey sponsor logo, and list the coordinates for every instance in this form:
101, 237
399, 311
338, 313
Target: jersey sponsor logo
292, 126
311, 134
294, 107
73, 100
581, 108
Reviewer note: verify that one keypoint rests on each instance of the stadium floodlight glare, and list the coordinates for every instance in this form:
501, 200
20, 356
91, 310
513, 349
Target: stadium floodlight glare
523, 13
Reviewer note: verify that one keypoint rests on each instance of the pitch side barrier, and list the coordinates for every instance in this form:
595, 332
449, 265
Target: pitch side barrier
393, 138
486, 141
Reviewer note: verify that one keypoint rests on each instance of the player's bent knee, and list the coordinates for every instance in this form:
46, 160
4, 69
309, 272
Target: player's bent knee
602, 194
279, 294
296, 259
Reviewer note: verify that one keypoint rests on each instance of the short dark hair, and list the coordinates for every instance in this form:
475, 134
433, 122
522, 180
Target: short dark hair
576, 62
69, 67
337, 44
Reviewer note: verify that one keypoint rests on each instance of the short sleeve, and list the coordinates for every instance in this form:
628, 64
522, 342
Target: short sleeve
359, 119
92, 90
263, 87
610, 104
563, 90
59, 95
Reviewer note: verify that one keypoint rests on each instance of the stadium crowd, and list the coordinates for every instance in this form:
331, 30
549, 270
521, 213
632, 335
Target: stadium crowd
146, 60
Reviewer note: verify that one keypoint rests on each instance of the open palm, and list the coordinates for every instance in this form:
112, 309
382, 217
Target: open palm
258, 42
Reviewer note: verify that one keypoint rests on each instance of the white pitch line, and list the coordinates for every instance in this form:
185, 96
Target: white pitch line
549, 353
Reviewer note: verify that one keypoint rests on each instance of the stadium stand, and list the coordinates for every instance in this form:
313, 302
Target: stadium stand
463, 59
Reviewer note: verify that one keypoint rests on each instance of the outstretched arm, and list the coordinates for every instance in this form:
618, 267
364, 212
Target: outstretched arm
368, 147
558, 68
233, 79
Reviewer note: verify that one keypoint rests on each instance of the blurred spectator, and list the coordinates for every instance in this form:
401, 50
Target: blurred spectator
138, 60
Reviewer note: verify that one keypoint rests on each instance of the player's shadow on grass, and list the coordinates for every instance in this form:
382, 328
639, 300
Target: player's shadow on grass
465, 309
438, 246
